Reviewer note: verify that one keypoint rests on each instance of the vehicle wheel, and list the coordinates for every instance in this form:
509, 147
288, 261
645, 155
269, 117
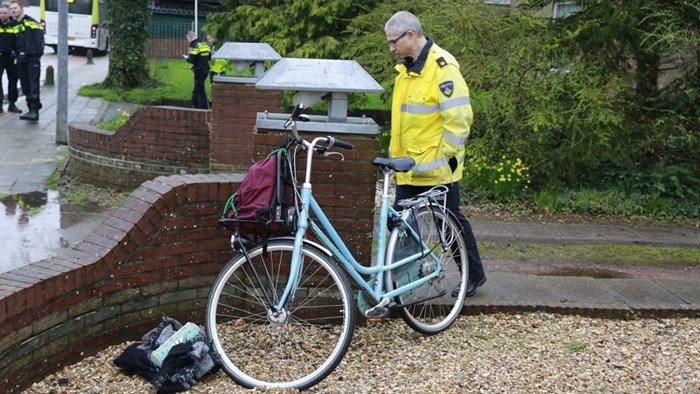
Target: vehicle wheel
296, 348
443, 295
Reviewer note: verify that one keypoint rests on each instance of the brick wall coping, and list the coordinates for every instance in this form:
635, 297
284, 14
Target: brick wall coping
155, 255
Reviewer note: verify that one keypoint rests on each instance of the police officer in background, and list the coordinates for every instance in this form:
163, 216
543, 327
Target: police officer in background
29, 47
199, 55
7, 58
218, 66
430, 119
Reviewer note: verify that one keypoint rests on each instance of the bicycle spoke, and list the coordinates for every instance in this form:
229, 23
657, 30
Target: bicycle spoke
431, 308
294, 348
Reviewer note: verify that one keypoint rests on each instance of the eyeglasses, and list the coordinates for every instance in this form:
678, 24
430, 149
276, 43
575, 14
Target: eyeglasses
393, 42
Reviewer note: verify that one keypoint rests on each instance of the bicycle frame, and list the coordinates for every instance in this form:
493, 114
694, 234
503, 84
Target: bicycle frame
330, 238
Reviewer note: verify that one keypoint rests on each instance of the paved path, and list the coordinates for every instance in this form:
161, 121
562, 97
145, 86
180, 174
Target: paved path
28, 154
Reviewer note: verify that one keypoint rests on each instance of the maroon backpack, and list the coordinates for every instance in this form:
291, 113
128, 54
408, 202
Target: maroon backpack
263, 205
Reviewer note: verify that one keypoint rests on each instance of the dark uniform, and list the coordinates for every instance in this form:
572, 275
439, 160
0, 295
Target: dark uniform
8, 32
29, 47
199, 56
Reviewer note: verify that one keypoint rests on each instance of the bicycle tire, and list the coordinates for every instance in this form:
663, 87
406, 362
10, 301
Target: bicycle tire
439, 311
303, 346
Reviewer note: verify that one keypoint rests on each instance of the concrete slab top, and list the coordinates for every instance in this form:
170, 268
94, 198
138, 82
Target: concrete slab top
246, 51
319, 75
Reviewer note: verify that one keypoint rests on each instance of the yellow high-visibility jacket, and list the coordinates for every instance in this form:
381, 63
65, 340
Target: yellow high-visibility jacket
430, 118
218, 66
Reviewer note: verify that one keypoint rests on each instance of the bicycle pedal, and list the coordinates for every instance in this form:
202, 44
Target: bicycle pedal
377, 314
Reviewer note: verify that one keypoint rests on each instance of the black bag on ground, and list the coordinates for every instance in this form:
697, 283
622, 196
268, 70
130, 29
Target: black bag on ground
185, 364
263, 206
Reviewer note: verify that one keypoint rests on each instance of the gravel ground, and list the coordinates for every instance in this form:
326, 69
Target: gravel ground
499, 353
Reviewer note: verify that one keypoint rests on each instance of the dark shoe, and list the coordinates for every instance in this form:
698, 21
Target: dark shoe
472, 285
32, 115
13, 108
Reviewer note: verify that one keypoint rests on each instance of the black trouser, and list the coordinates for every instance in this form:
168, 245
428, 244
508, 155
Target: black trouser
476, 269
199, 95
7, 63
29, 71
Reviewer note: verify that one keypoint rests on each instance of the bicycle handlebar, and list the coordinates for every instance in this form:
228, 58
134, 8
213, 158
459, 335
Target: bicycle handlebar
340, 143
298, 109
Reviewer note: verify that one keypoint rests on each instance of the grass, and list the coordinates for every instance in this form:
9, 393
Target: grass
177, 82
115, 122
593, 253
175, 77
575, 347
74, 191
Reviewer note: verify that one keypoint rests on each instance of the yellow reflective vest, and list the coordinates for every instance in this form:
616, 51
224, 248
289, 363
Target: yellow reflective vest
430, 118
218, 66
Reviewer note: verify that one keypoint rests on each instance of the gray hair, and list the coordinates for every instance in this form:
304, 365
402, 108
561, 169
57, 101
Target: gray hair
4, 5
403, 21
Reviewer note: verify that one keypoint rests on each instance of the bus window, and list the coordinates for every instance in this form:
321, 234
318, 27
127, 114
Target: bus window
83, 7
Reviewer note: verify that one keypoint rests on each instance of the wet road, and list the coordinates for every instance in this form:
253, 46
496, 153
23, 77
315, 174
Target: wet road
33, 224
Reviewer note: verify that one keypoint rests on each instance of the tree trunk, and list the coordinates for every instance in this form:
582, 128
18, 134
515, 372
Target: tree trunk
128, 65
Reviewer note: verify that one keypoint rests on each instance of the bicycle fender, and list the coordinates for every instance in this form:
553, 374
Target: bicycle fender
312, 243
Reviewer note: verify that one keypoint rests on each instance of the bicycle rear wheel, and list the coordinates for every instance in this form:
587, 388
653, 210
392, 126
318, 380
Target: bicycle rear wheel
434, 306
300, 346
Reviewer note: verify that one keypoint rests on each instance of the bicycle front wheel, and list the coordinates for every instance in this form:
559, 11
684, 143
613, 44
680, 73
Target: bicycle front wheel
434, 306
293, 348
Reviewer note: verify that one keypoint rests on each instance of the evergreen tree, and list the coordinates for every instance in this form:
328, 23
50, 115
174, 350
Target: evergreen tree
294, 28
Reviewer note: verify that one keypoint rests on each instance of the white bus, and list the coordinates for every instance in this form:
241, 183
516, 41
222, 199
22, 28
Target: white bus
86, 28
33, 9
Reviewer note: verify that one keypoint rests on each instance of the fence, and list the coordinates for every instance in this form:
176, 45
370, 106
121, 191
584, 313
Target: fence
167, 38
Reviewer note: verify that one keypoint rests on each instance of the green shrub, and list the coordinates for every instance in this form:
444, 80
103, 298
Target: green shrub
116, 122
501, 181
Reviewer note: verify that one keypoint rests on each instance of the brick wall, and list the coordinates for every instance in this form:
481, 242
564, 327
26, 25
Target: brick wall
160, 251
233, 122
155, 141
157, 254
344, 189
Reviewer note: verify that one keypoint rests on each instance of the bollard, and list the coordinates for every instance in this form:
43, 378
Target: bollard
49, 76
89, 56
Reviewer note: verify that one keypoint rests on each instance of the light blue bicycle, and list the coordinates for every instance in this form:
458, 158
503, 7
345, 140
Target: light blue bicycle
281, 314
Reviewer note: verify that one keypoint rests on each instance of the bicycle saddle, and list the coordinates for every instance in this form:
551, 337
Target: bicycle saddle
400, 164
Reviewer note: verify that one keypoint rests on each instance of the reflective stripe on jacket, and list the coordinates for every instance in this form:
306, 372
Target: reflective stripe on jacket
430, 119
199, 55
30, 37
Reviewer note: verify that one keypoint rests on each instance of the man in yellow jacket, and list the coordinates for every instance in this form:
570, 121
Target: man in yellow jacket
430, 119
